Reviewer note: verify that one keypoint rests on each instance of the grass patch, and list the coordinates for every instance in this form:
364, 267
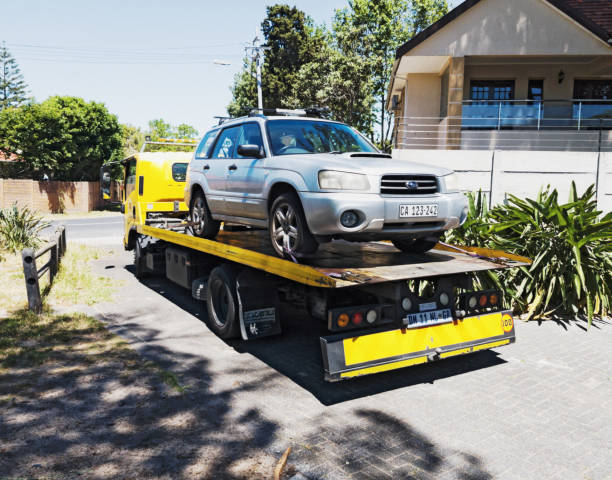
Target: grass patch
28, 340
74, 284
168, 378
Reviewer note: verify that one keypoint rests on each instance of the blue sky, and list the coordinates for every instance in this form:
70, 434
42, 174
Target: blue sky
144, 59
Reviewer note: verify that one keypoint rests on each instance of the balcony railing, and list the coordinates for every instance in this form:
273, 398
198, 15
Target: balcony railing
537, 115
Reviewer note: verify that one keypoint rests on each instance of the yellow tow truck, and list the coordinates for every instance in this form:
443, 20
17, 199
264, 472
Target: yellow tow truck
383, 309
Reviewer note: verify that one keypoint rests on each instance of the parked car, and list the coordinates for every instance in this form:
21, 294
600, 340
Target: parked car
310, 180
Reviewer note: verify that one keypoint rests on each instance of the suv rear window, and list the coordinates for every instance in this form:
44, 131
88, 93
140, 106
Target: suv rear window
179, 171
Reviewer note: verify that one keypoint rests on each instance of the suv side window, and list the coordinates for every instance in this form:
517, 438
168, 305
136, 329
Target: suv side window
250, 135
224, 148
204, 147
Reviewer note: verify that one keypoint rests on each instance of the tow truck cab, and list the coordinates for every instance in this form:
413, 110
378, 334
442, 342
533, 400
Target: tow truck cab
151, 186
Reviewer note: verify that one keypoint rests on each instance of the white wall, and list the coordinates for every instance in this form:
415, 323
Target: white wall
522, 173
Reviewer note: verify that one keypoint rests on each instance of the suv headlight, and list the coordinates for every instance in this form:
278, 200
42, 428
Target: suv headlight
332, 180
451, 182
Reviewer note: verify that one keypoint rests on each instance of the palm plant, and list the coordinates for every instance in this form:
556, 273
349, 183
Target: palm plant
20, 228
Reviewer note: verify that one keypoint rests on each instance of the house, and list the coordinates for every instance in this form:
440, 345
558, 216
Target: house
512, 94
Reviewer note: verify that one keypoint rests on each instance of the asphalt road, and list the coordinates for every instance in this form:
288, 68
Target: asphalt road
96, 231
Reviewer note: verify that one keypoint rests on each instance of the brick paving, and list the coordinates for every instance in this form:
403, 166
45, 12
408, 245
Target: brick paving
538, 409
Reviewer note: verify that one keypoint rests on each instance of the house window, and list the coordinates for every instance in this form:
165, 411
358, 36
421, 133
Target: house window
483, 90
535, 90
593, 89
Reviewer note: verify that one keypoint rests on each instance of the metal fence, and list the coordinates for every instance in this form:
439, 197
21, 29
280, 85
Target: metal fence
32, 274
502, 133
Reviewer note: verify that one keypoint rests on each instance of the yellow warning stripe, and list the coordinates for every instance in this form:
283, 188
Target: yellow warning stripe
268, 263
485, 252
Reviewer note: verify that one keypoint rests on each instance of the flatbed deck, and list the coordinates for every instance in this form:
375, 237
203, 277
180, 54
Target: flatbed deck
341, 264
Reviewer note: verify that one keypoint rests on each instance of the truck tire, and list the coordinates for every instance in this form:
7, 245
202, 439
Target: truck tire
222, 303
140, 266
419, 245
289, 233
202, 223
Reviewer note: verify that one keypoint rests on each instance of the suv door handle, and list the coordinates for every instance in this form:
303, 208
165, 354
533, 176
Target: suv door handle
232, 167
206, 167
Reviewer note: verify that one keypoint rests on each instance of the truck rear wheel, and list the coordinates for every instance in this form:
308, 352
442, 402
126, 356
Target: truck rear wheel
222, 303
202, 223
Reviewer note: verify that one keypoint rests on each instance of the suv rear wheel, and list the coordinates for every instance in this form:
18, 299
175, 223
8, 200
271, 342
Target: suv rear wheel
289, 233
202, 223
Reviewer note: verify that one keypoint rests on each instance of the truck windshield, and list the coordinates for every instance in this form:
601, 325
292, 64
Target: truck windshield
290, 137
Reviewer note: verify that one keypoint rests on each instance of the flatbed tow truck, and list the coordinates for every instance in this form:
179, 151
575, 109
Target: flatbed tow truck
384, 309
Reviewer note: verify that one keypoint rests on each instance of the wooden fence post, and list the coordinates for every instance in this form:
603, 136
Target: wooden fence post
31, 279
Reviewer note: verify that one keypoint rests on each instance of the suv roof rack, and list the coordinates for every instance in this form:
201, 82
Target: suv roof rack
320, 112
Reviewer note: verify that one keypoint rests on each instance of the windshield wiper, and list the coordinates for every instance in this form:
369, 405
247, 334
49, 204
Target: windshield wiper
335, 152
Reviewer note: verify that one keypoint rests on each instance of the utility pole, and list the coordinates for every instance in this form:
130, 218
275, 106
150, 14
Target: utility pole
256, 51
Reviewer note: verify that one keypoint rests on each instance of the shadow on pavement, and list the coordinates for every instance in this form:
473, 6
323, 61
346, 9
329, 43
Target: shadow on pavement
296, 354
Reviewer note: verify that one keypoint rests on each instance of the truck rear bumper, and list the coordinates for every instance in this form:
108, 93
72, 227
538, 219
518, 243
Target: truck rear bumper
346, 357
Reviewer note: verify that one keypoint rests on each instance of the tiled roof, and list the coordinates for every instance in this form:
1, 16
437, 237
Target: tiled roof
594, 15
599, 12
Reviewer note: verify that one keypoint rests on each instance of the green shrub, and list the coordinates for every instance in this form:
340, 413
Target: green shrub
570, 245
20, 228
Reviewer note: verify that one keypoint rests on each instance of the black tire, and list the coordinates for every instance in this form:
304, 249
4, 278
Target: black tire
140, 266
202, 223
222, 303
288, 228
419, 245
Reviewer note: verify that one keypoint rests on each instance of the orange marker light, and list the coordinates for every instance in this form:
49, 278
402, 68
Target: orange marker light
343, 320
493, 299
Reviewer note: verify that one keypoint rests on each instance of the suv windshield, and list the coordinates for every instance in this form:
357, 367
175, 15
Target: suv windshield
289, 137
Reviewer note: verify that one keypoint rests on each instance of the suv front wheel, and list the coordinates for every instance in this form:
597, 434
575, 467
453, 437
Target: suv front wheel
202, 223
289, 233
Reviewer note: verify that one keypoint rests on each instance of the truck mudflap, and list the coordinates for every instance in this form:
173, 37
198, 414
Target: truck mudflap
347, 357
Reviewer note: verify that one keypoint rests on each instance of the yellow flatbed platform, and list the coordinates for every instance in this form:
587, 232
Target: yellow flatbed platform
341, 264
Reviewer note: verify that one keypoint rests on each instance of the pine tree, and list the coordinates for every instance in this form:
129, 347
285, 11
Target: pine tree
13, 89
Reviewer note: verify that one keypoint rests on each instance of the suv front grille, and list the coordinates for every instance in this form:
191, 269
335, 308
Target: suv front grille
400, 184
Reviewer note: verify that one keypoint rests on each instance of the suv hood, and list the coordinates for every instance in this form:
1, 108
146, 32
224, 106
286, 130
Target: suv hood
361, 162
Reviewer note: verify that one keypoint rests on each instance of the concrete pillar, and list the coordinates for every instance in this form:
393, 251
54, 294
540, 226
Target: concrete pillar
456, 70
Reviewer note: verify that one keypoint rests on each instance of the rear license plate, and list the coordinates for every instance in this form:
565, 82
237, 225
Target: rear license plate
418, 210
426, 319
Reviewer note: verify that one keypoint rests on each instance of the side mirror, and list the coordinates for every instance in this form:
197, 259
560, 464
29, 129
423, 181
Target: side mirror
250, 150
106, 180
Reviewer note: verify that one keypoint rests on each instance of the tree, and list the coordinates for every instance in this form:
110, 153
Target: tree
336, 81
375, 28
158, 128
244, 91
292, 42
13, 90
62, 138
287, 32
133, 138
186, 131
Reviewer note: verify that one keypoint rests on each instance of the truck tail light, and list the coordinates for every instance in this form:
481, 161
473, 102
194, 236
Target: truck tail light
357, 318
487, 300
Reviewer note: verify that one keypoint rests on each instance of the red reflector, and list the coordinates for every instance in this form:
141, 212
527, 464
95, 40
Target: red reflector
482, 301
357, 318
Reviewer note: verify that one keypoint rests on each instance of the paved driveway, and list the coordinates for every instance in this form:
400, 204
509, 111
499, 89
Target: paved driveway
538, 409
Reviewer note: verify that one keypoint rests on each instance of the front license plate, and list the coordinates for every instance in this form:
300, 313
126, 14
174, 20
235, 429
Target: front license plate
425, 319
420, 210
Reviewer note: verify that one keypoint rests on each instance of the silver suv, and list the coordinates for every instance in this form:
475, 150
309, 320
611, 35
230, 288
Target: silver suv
309, 181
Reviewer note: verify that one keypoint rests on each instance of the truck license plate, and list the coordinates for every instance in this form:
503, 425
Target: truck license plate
418, 210
426, 319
